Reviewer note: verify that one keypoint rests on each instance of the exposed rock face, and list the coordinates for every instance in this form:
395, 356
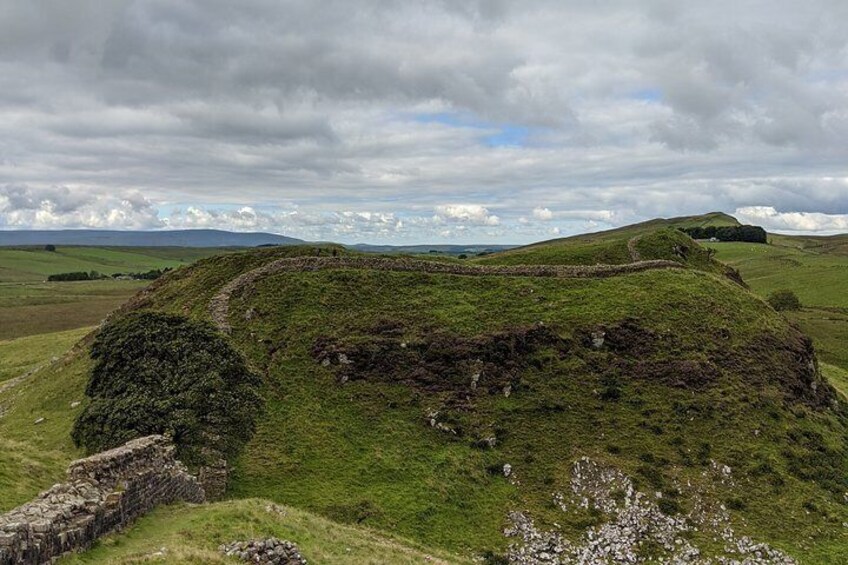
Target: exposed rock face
634, 519
104, 493
270, 551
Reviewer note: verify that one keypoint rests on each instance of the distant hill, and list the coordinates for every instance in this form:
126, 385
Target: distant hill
171, 238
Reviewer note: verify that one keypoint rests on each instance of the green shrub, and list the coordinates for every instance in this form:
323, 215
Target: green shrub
782, 300
158, 373
668, 506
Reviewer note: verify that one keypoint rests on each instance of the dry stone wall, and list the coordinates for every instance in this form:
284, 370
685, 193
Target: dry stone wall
104, 493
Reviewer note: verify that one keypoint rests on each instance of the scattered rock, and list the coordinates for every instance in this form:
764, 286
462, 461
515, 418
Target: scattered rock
268, 551
598, 339
507, 470
633, 520
272, 508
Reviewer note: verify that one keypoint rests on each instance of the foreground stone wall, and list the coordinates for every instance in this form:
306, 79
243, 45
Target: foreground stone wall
104, 493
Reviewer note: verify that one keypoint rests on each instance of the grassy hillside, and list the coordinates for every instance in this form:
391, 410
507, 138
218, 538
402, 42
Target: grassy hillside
394, 400
19, 356
33, 264
640, 242
830, 244
36, 415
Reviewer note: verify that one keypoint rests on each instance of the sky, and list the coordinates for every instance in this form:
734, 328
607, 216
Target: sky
413, 121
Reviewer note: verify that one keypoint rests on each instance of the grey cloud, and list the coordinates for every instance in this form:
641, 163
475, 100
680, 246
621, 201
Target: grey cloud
311, 112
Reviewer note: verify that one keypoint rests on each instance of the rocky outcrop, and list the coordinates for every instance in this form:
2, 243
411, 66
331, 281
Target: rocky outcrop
104, 493
633, 521
220, 303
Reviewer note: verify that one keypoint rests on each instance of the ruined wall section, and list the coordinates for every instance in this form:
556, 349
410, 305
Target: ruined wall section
104, 493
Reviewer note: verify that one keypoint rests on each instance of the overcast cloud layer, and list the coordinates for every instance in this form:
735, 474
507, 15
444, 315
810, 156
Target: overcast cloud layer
411, 121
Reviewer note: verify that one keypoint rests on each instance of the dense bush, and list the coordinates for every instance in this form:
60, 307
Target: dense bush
150, 275
160, 373
76, 276
751, 234
782, 300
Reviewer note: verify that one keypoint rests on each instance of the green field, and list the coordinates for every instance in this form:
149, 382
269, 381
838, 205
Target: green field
815, 272
31, 306
32, 264
28, 309
21, 355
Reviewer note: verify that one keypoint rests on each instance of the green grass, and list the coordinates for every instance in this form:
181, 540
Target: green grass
815, 272
817, 279
192, 534
32, 264
615, 247
28, 309
19, 356
33, 455
838, 377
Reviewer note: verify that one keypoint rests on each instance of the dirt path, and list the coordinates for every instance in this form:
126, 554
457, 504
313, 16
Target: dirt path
631, 247
220, 304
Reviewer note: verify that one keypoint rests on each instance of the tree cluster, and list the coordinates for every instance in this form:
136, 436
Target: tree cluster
750, 234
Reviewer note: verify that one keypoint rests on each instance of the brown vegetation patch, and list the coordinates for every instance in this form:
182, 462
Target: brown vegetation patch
626, 338
787, 361
443, 362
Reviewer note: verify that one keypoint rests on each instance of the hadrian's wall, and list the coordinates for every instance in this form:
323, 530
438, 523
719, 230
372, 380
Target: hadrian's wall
104, 493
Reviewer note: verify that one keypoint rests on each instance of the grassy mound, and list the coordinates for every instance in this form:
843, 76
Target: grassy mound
432, 405
192, 534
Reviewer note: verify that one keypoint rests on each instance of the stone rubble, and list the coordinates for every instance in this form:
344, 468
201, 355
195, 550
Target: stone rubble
268, 551
634, 519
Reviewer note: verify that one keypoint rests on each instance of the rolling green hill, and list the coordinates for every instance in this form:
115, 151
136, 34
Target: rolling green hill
653, 240
446, 406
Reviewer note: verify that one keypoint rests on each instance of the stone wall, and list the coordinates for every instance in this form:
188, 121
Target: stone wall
104, 493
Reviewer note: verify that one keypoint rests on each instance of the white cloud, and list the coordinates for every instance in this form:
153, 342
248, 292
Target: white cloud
802, 222
63, 207
471, 213
543, 214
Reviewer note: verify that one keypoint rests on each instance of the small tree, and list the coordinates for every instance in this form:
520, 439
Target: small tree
784, 299
50, 247
157, 373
